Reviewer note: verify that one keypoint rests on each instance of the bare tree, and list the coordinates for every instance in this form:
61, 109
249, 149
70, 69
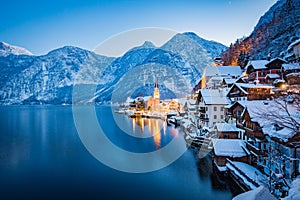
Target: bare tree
284, 112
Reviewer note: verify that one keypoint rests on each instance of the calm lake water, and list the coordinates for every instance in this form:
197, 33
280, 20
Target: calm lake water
42, 157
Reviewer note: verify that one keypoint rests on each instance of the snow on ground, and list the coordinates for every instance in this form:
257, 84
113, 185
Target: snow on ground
294, 192
251, 172
260, 193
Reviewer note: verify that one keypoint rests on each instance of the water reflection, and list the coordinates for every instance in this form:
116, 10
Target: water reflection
145, 127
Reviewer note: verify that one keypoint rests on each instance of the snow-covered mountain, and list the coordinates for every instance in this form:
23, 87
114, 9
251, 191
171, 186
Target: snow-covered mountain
49, 79
274, 32
6, 49
214, 49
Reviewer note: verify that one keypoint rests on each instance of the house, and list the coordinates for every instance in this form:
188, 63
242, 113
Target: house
284, 147
273, 142
211, 103
249, 121
214, 75
255, 66
173, 105
294, 51
258, 70
291, 68
234, 111
232, 149
249, 91
292, 73
226, 130
270, 78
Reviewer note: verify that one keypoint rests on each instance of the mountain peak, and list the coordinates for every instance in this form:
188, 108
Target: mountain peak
145, 45
148, 44
7, 49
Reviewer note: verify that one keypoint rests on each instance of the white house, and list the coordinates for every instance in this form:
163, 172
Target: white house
211, 106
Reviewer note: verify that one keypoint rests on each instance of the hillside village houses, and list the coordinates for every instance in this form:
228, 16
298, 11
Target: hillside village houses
259, 106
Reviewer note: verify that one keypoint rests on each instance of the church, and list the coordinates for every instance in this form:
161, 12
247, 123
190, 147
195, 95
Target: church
154, 102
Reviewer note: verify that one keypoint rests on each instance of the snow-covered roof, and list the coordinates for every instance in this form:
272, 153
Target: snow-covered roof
216, 78
272, 76
291, 66
229, 70
214, 96
257, 64
257, 108
243, 87
223, 71
260, 193
230, 147
251, 85
293, 44
146, 98
294, 192
284, 134
277, 58
293, 74
229, 80
226, 127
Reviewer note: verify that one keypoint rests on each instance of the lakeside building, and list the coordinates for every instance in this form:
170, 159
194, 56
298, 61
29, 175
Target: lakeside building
211, 103
232, 149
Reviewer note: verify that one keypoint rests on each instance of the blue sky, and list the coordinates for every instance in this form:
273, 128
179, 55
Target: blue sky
43, 25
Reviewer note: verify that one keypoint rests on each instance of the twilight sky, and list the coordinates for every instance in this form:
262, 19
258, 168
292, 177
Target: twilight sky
43, 25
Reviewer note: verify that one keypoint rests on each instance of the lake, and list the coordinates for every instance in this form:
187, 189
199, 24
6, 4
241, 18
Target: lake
42, 157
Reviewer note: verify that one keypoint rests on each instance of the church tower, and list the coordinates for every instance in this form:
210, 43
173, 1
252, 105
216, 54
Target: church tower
156, 90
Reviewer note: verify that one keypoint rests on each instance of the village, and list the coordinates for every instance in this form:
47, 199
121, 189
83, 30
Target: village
246, 118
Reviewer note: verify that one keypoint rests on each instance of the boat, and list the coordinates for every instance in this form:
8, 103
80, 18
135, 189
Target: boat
176, 120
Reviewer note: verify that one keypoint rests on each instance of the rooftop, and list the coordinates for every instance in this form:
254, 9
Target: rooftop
257, 64
226, 127
213, 96
223, 71
230, 147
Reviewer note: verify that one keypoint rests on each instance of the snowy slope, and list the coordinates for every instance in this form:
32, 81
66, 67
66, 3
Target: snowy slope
6, 49
49, 79
274, 32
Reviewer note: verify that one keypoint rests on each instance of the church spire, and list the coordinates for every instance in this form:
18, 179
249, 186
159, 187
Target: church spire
156, 90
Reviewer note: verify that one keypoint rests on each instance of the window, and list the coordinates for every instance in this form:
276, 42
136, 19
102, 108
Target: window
215, 108
215, 116
222, 116
222, 108
262, 73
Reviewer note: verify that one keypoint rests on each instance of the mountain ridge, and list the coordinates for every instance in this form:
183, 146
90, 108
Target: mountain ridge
50, 78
